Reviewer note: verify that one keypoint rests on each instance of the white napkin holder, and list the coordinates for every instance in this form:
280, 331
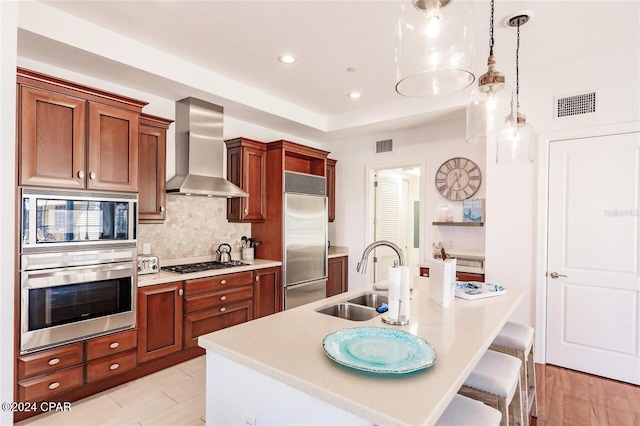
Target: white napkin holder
442, 281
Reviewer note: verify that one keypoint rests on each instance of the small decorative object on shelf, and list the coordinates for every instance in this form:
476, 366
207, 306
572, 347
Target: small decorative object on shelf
445, 213
473, 210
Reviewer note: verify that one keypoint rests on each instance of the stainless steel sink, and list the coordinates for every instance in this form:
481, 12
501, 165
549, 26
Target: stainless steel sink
350, 312
360, 308
372, 300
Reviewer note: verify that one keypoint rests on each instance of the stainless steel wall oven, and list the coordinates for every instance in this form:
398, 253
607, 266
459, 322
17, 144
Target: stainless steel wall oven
78, 266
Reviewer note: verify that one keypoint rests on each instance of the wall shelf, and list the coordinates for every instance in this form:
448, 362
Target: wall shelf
458, 223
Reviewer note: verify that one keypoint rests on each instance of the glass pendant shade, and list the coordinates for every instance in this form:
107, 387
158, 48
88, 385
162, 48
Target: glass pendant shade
487, 108
434, 48
515, 147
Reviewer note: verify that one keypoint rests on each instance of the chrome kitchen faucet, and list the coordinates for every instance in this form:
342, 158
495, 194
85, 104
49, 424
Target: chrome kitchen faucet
362, 265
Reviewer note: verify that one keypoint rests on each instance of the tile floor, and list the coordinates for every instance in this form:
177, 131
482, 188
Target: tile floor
174, 396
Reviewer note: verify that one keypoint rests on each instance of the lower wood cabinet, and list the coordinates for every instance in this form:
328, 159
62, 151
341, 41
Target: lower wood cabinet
159, 320
267, 292
43, 387
338, 276
198, 323
108, 366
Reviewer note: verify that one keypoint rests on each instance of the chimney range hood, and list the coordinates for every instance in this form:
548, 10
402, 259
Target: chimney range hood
200, 152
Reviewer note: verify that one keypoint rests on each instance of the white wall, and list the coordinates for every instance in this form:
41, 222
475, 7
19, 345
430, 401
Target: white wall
431, 146
8, 45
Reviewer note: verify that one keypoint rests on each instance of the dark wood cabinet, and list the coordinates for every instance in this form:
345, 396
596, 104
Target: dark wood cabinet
246, 167
331, 189
152, 175
159, 320
52, 139
112, 158
460, 276
267, 292
73, 136
210, 320
338, 275
217, 302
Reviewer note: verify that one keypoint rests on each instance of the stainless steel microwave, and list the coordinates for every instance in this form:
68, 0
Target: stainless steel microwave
58, 220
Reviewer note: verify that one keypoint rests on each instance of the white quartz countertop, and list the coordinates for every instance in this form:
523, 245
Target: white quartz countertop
169, 277
287, 347
338, 251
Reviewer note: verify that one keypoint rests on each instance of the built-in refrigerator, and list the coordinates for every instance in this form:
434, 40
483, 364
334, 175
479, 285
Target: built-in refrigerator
305, 239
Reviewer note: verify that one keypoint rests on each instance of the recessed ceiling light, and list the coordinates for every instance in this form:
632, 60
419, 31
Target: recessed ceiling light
353, 95
287, 59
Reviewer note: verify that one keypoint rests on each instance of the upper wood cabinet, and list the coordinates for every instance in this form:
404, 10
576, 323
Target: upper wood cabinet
72, 136
152, 159
331, 188
246, 167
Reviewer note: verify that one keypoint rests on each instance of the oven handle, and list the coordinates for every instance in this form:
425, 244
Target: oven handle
78, 274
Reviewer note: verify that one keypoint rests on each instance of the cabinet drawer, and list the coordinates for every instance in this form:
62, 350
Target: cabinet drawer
50, 360
216, 283
111, 344
203, 322
109, 366
202, 301
51, 384
469, 276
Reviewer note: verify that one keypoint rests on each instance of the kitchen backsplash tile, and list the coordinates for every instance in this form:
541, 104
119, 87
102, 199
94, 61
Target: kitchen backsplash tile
194, 226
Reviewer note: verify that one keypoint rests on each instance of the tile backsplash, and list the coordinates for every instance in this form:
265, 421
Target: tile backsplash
194, 226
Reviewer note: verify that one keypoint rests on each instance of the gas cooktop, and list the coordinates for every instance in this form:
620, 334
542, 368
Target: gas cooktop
202, 266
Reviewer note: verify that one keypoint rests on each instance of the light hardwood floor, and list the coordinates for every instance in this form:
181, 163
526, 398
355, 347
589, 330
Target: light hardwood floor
568, 397
176, 396
173, 397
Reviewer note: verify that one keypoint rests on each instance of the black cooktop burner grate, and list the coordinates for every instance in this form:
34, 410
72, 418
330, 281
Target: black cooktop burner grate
202, 266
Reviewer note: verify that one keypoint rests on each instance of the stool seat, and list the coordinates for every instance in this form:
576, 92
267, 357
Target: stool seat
516, 336
466, 411
495, 373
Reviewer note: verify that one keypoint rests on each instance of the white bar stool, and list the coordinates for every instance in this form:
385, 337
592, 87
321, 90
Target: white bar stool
496, 381
463, 411
517, 340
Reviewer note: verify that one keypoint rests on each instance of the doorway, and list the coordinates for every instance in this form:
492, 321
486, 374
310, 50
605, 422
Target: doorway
592, 277
396, 217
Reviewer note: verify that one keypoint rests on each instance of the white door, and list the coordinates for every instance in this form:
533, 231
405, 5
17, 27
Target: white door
389, 221
593, 318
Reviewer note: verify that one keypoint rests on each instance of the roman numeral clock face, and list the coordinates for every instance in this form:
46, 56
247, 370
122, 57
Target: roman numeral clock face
458, 179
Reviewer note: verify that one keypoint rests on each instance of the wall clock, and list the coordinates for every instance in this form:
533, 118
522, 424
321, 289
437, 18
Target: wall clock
458, 179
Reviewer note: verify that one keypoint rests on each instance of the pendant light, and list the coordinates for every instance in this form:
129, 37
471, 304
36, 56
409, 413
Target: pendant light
490, 102
515, 144
434, 48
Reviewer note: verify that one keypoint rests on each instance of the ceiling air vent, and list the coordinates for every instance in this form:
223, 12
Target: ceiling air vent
384, 146
568, 106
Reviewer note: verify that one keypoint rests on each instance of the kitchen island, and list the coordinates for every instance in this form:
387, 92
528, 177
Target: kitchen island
274, 370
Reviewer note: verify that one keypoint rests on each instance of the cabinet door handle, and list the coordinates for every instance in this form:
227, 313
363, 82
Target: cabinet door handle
223, 298
223, 309
223, 282
114, 345
246, 211
54, 361
161, 208
114, 366
54, 385
180, 292
81, 174
92, 175
258, 278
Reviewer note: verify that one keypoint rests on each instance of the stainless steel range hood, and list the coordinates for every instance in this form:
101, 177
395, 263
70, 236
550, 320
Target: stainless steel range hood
200, 151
